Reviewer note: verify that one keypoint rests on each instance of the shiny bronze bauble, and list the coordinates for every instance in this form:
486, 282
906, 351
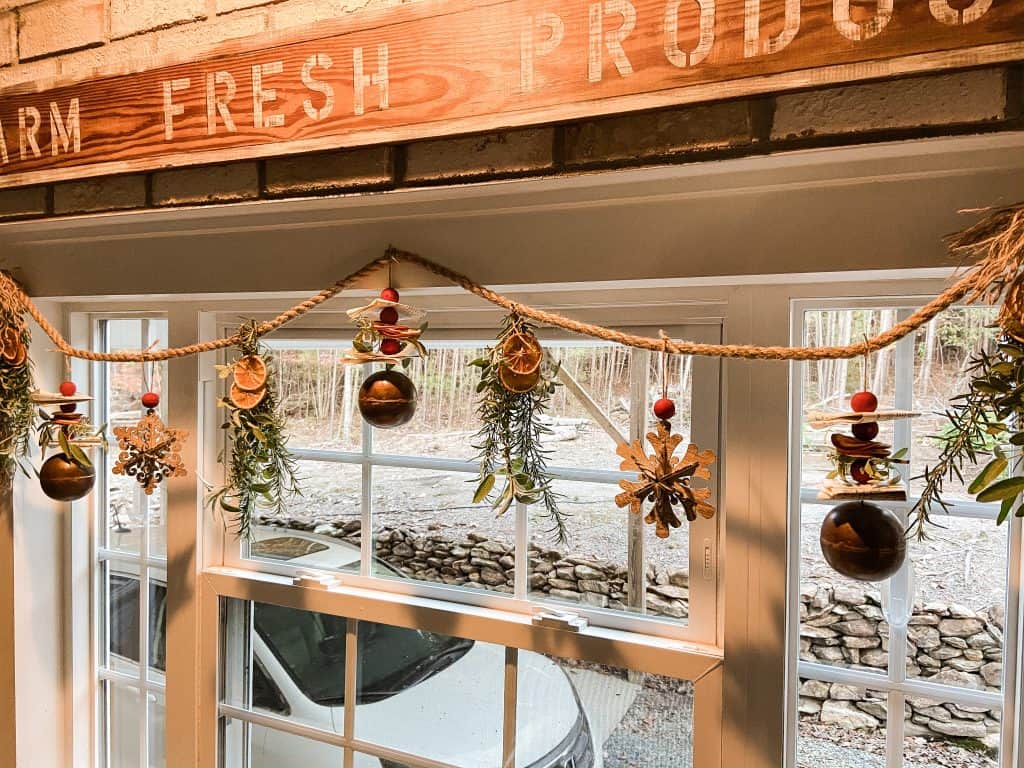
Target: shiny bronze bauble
387, 399
863, 541
63, 480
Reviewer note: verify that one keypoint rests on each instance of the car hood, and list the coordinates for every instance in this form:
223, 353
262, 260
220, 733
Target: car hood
456, 715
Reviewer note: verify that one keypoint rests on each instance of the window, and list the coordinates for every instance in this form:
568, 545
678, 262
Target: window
131, 563
946, 606
421, 683
412, 488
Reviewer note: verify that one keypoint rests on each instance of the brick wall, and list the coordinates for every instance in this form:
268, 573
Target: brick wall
69, 38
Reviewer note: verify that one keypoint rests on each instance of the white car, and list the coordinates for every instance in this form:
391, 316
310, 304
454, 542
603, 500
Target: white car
431, 695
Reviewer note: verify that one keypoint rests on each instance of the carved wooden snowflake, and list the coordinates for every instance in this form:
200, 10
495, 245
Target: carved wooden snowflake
150, 451
665, 480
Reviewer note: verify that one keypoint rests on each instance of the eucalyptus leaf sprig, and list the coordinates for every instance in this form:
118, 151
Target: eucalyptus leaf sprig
513, 463
987, 420
70, 438
17, 413
262, 471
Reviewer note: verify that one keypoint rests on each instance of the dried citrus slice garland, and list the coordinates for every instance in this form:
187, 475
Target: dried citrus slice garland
250, 373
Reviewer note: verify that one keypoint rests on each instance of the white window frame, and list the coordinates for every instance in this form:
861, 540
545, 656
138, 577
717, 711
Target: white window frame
894, 683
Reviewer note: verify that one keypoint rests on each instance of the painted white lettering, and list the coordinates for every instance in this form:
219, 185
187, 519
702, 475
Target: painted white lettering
323, 61
70, 134
680, 58
752, 29
530, 49
3, 146
860, 30
611, 40
172, 110
218, 105
27, 131
944, 12
261, 95
361, 81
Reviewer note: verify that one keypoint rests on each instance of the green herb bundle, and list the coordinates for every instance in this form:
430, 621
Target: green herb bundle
987, 420
17, 411
509, 439
262, 471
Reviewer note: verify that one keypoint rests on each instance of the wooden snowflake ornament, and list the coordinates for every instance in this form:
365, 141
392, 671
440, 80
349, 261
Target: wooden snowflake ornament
665, 480
150, 451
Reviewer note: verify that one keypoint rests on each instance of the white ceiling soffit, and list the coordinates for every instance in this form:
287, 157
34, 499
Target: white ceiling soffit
870, 207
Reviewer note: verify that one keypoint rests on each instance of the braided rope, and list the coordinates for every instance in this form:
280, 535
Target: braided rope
995, 244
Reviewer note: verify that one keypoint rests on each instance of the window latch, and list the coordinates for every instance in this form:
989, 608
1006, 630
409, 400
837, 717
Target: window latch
570, 622
316, 580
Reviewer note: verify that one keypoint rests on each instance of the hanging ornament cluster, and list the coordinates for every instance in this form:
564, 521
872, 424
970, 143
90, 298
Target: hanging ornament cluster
388, 332
17, 411
665, 480
862, 467
150, 450
261, 470
516, 383
859, 539
69, 474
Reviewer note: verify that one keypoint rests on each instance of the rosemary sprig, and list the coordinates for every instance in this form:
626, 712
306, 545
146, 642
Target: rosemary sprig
262, 472
984, 421
510, 435
17, 411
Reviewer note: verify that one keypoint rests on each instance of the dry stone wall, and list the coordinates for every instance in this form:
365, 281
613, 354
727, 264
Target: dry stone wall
946, 643
479, 562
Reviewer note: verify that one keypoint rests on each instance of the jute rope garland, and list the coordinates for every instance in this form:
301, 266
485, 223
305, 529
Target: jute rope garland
995, 245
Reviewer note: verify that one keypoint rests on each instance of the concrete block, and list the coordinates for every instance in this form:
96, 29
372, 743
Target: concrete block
27, 202
192, 36
486, 155
299, 12
328, 171
33, 71
227, 6
658, 134
972, 96
130, 17
107, 193
222, 183
60, 25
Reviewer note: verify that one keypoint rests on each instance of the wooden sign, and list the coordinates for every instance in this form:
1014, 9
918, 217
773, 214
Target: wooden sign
437, 68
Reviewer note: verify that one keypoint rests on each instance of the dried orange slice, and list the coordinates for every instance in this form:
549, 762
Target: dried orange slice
18, 358
250, 373
10, 343
521, 353
244, 399
518, 382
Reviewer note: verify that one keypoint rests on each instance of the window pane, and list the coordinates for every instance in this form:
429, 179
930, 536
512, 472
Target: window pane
949, 734
271, 748
445, 691
319, 397
128, 507
956, 634
941, 350
841, 725
157, 625
123, 628
841, 620
595, 714
445, 421
321, 527
426, 526
157, 727
123, 726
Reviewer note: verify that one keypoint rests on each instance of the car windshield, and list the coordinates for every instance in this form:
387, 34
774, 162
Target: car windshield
311, 648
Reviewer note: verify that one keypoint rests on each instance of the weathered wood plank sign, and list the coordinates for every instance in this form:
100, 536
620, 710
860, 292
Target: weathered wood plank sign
439, 68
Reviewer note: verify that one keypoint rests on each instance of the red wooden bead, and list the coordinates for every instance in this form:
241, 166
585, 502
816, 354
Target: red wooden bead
664, 408
389, 315
150, 400
390, 347
389, 294
863, 402
68, 388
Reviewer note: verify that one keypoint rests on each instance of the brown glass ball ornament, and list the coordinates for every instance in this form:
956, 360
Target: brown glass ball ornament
387, 399
863, 541
64, 480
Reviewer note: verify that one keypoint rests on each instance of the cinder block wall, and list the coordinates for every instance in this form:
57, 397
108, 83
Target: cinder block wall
41, 39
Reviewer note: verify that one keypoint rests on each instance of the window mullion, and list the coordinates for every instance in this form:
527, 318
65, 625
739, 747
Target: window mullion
636, 587
510, 712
